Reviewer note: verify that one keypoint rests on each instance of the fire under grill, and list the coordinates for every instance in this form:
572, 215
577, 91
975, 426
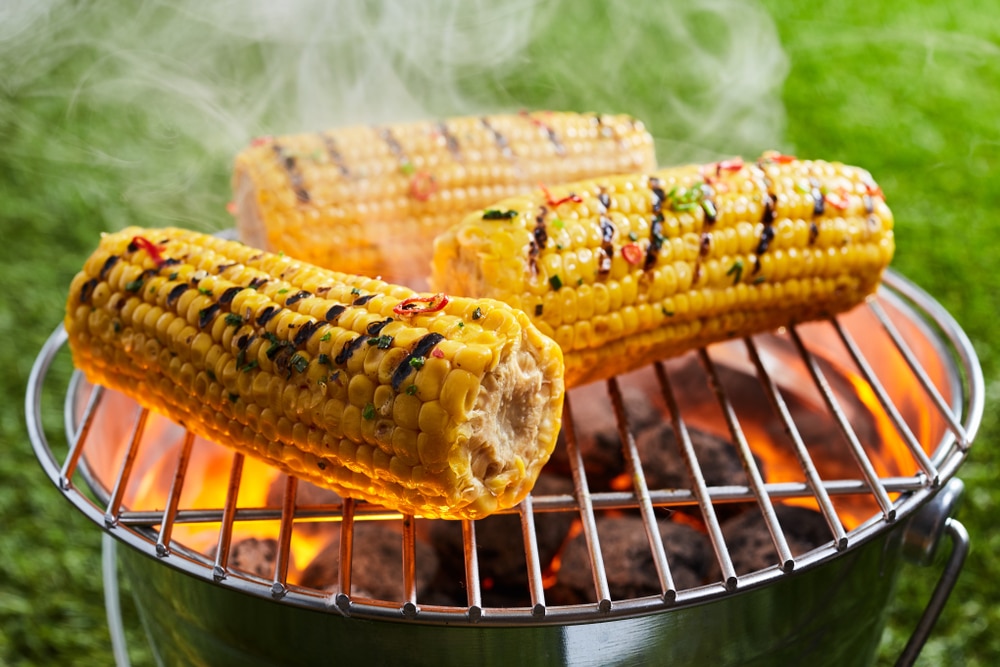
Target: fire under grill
681, 497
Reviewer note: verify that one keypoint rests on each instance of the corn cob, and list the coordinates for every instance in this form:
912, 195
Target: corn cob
370, 200
621, 271
428, 405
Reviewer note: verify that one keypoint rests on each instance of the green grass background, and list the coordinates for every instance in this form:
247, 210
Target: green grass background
909, 90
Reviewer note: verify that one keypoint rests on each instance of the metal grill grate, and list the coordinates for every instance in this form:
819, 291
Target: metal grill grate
903, 323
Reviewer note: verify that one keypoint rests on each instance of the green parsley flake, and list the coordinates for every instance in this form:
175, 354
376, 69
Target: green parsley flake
233, 320
497, 214
736, 271
369, 412
134, 286
411, 390
556, 282
418, 362
298, 363
325, 337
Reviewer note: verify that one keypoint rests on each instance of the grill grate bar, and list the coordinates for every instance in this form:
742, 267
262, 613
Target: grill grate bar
280, 579
700, 488
633, 464
887, 404
410, 608
76, 449
219, 569
787, 561
125, 471
815, 483
473, 592
536, 585
921, 373
855, 446
174, 497
586, 510
343, 597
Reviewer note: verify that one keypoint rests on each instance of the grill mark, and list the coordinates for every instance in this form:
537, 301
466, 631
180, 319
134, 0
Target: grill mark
767, 218
257, 283
305, 332
349, 348
819, 201
607, 249
362, 300
333, 151
108, 265
375, 328
386, 135
290, 164
334, 312
450, 141
421, 349
539, 238
206, 315
227, 297
298, 296
553, 137
498, 139
87, 290
176, 292
267, 314
656, 224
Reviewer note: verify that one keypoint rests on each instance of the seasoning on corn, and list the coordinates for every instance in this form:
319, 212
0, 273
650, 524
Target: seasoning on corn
644, 267
370, 200
428, 404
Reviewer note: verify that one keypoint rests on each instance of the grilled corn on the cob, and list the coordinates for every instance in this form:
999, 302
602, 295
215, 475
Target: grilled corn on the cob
370, 200
621, 271
429, 405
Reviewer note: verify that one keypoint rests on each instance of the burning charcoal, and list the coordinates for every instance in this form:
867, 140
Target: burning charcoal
500, 549
750, 545
628, 560
664, 466
376, 563
254, 556
596, 430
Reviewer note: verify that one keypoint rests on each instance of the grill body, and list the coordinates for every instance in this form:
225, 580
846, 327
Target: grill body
832, 614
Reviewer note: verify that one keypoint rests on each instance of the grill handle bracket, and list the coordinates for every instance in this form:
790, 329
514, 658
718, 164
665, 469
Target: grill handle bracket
920, 542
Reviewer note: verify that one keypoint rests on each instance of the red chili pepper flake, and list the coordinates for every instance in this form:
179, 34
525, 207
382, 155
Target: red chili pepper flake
437, 353
143, 243
260, 141
780, 158
874, 190
837, 199
734, 164
422, 186
632, 253
418, 305
573, 197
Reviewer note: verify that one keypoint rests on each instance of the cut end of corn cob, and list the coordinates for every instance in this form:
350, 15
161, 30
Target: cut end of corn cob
370, 200
430, 405
625, 270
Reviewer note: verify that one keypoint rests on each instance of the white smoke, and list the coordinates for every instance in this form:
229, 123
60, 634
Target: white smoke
190, 82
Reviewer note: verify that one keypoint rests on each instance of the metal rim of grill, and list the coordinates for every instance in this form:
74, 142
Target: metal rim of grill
962, 417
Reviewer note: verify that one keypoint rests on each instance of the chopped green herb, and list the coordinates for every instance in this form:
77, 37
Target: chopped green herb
556, 282
117, 325
758, 280
736, 271
152, 289
411, 390
579, 281
382, 342
283, 290
250, 366
461, 325
407, 168
325, 337
134, 286
369, 412
355, 291
298, 363
632, 236
323, 360
233, 320
206, 291
477, 313
559, 246
497, 214
418, 362
172, 276
557, 223
668, 313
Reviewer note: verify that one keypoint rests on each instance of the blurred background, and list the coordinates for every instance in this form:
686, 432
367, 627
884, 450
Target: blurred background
117, 113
